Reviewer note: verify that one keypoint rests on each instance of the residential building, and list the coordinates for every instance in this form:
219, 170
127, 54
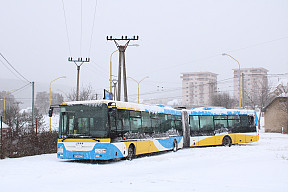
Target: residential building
276, 115
253, 85
198, 88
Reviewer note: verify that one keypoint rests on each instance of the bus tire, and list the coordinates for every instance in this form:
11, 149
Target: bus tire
131, 152
175, 146
227, 141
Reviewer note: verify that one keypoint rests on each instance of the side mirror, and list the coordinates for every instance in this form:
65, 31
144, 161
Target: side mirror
51, 111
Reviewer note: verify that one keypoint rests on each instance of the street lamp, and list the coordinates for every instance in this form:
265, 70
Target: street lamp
138, 82
50, 95
111, 70
224, 54
135, 45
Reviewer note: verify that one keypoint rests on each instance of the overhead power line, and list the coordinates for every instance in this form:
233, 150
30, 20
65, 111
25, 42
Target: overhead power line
215, 55
14, 68
11, 70
66, 27
21, 88
258, 44
92, 28
81, 30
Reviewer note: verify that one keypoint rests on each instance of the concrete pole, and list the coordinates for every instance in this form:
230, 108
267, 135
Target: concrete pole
119, 76
124, 79
243, 91
77, 92
33, 86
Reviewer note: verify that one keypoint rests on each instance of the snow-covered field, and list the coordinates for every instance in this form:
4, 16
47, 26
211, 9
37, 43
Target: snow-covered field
260, 166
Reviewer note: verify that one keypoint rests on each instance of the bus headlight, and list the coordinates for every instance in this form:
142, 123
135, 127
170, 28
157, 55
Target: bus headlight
100, 150
60, 150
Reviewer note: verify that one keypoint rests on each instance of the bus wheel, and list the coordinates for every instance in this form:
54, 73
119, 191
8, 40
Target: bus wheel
175, 146
131, 152
227, 142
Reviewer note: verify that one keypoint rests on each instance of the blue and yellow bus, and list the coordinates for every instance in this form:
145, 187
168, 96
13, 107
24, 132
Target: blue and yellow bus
221, 126
105, 129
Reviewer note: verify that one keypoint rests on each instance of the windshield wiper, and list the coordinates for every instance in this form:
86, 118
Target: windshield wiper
80, 136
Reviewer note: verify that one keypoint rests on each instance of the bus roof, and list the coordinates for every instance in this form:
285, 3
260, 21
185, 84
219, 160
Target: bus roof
128, 106
219, 111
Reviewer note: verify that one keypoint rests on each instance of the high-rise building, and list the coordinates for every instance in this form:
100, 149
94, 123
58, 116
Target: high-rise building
253, 85
198, 88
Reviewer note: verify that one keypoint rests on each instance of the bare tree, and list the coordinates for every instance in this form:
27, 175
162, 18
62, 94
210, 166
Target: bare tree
43, 100
222, 100
86, 93
259, 96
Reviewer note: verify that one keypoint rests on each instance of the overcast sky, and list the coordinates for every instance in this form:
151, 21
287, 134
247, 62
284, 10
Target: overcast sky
174, 37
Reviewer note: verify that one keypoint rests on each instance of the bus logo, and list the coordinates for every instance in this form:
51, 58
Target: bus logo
79, 145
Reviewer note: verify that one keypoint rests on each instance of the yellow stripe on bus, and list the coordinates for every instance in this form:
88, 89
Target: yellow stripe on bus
217, 140
143, 147
106, 140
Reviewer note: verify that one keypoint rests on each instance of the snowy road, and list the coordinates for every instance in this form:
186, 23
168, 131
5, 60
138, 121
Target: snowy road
261, 166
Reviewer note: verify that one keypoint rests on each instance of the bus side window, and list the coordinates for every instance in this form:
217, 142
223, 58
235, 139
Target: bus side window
70, 125
233, 121
113, 127
244, 121
206, 123
165, 124
251, 120
220, 121
194, 123
124, 121
155, 123
146, 123
161, 123
178, 123
135, 121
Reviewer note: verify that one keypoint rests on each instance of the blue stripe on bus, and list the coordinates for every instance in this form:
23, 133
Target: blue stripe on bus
168, 143
111, 151
218, 112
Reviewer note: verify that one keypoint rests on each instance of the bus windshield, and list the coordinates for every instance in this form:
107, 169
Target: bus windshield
83, 121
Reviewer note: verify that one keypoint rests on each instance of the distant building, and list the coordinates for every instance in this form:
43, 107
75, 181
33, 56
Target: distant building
276, 115
253, 81
198, 88
5, 128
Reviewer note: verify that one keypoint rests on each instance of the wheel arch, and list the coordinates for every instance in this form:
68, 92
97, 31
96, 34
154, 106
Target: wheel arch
134, 148
229, 137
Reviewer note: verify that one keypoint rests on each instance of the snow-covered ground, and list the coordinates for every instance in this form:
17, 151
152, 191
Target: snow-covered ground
260, 166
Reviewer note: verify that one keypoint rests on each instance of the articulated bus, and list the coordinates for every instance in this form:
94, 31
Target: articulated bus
221, 126
105, 129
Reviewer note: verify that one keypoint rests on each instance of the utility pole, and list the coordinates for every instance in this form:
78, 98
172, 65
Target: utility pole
33, 85
78, 63
122, 49
243, 91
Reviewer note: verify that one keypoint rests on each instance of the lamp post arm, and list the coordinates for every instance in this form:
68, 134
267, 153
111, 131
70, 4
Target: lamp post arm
111, 70
224, 54
143, 79
50, 96
50, 87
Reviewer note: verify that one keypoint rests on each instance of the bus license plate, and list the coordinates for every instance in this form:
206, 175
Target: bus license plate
78, 156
